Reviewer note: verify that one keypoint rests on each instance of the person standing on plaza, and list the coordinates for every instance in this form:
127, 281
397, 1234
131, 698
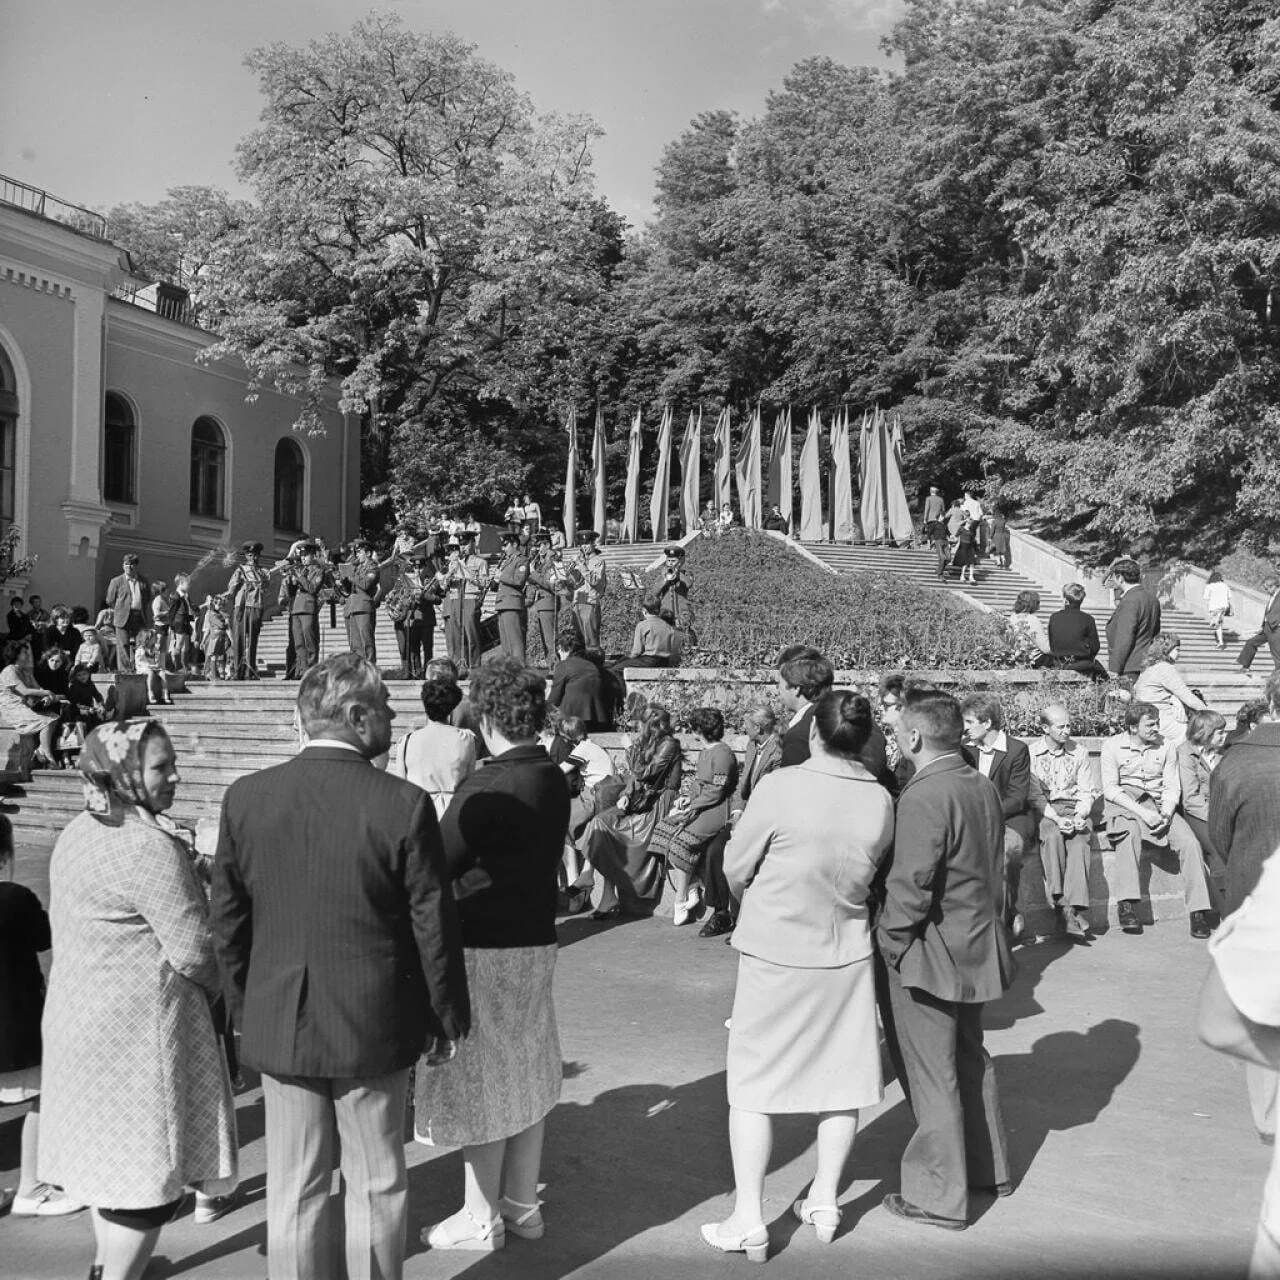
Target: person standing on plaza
248, 592
1141, 789
512, 607
359, 609
1244, 826
803, 1037
341, 956
504, 834
1073, 635
300, 593
1135, 622
1217, 606
1062, 796
1161, 684
940, 935
129, 599
1268, 632
591, 580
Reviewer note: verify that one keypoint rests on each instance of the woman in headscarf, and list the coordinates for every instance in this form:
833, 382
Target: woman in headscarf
137, 1104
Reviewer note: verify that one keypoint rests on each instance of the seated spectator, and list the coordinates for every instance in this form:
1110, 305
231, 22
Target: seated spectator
709, 520
1007, 762
656, 643
763, 756
682, 837
578, 687
1073, 636
593, 786
776, 522
1141, 789
91, 652
60, 633
1249, 716
53, 671
86, 700
25, 707
1160, 683
147, 661
1062, 798
1198, 756
727, 519
436, 757
17, 624
1028, 628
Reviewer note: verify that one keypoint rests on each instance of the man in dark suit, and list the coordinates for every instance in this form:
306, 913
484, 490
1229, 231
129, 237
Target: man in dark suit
360, 606
1007, 762
128, 598
341, 957
804, 675
940, 936
1269, 632
1135, 622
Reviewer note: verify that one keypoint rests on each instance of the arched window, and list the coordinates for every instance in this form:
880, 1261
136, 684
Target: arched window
208, 469
8, 441
291, 476
118, 450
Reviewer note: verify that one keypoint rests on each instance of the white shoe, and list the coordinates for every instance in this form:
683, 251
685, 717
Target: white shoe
211, 1208
465, 1232
680, 914
44, 1202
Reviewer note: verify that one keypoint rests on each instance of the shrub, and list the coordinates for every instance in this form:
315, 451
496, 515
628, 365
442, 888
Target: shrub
753, 595
1246, 568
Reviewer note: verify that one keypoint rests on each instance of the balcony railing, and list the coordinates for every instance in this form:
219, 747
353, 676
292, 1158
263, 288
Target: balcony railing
160, 303
33, 200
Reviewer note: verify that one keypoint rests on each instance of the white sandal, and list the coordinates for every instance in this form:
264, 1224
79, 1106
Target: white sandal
523, 1220
486, 1237
826, 1231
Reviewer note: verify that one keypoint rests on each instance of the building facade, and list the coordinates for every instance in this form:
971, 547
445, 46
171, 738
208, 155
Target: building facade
115, 438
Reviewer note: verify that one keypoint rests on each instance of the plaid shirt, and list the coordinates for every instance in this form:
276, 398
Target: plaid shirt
1061, 781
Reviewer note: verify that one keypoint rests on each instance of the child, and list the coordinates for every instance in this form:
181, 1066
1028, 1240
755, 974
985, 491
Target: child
215, 638
91, 653
85, 697
146, 662
182, 615
24, 933
160, 623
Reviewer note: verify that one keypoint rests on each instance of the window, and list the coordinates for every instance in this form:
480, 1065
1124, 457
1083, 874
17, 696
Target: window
208, 469
291, 474
118, 451
8, 441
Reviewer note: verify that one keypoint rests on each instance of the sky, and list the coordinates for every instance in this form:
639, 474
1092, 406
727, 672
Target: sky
103, 104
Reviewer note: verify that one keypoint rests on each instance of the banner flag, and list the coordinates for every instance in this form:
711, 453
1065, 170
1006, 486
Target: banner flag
598, 513
571, 481
723, 474
779, 494
631, 504
661, 499
842, 528
811, 529
901, 527
747, 469
691, 472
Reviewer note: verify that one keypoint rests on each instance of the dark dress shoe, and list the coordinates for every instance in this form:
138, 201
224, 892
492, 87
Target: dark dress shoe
1200, 925
718, 922
901, 1208
998, 1189
1127, 911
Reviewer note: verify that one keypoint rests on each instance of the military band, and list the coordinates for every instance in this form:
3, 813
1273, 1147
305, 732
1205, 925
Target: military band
363, 589
590, 581
248, 592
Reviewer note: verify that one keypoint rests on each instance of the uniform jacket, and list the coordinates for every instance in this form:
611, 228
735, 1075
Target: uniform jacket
940, 926
513, 574
337, 934
673, 596
300, 589
247, 587
366, 588
540, 589
1131, 629
591, 578
120, 599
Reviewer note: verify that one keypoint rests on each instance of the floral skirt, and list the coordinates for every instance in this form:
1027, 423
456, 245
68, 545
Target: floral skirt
507, 1073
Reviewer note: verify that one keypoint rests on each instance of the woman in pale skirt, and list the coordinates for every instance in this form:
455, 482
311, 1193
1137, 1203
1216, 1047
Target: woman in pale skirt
803, 1034
504, 834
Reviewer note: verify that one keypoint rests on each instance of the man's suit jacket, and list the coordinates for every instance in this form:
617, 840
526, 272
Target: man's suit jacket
1271, 616
578, 689
1011, 773
795, 750
1131, 629
1244, 808
940, 925
761, 759
120, 598
335, 924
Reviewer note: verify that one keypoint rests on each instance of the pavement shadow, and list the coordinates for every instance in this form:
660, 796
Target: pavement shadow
1019, 1001
1066, 1080
633, 1159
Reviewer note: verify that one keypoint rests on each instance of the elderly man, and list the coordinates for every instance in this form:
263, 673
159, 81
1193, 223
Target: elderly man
1141, 789
1061, 801
128, 598
341, 956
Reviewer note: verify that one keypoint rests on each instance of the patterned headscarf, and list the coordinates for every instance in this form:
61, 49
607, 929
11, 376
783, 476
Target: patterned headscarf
111, 762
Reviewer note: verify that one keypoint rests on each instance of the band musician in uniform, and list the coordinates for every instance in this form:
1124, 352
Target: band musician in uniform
468, 581
300, 589
542, 595
673, 591
248, 590
363, 591
590, 581
512, 608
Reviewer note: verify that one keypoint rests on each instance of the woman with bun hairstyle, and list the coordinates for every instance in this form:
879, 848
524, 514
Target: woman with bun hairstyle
803, 1033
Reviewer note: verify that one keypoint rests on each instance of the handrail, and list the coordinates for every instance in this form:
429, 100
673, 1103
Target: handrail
20, 195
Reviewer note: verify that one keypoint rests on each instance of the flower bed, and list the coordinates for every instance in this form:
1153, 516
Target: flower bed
752, 595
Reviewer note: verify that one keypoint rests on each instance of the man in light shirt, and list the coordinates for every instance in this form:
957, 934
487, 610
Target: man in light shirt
128, 596
1141, 789
1062, 796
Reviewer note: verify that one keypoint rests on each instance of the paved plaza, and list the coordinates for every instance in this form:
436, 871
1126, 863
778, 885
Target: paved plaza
1132, 1145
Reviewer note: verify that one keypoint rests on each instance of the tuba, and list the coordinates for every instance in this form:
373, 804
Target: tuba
398, 602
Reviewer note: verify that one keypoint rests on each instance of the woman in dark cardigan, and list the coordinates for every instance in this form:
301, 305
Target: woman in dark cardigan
504, 834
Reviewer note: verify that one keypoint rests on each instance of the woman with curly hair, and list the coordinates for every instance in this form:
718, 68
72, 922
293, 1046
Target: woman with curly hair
1161, 684
683, 836
616, 841
1028, 628
504, 834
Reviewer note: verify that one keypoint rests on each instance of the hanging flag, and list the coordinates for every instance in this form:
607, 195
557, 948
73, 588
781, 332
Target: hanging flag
597, 474
780, 466
691, 471
869, 477
811, 529
661, 499
746, 466
842, 528
897, 512
571, 481
723, 474
631, 506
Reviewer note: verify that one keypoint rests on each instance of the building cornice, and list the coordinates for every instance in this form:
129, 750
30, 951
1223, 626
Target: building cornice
97, 263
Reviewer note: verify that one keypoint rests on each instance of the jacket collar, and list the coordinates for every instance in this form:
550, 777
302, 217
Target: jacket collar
320, 751
834, 767
953, 762
521, 755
